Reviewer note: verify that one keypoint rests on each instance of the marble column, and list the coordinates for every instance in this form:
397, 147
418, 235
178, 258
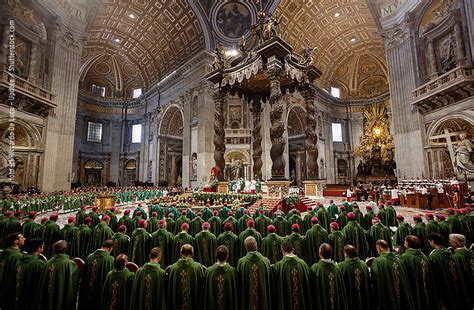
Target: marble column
173, 170
219, 132
311, 134
66, 47
257, 139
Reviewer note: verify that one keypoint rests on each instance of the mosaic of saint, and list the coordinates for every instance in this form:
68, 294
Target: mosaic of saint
233, 19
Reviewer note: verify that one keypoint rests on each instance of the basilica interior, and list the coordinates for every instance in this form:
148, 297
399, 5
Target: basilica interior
159, 92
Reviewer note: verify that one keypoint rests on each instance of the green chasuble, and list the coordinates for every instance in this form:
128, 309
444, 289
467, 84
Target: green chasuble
178, 241
98, 265
80, 244
403, 230
180, 221
152, 225
67, 233
95, 218
391, 215
261, 224
221, 288
336, 240
298, 243
420, 231
432, 227
323, 217
281, 226
448, 289
113, 220
242, 223
140, 246
342, 219
206, 214
254, 273
164, 240
117, 290
223, 213
444, 229
29, 228
127, 221
50, 236
355, 275
368, 219
382, 215
170, 225
419, 277
100, 233
332, 210
57, 286
206, 244
390, 283
326, 280
121, 244
231, 241
316, 236
376, 232
149, 290
233, 222
307, 221
465, 260
196, 226
271, 247
9, 259
354, 235
216, 225
290, 284
158, 210
295, 219
185, 282
248, 233
80, 217
28, 272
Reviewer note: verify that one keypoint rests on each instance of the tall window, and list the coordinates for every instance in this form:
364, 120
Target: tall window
336, 132
137, 133
335, 92
94, 132
98, 90
137, 92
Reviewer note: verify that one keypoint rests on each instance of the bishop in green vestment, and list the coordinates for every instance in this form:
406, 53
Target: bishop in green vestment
81, 215
149, 289
242, 222
221, 290
170, 223
444, 226
376, 232
249, 232
163, 239
332, 210
30, 226
465, 261
206, 244
140, 244
271, 245
28, 271
336, 240
50, 234
121, 241
355, 275
254, 278
432, 226
403, 230
391, 216
117, 288
80, 244
307, 220
290, 281
185, 277
127, 221
100, 233
94, 216
181, 239
323, 217
152, 223
315, 236
57, 286
68, 231
98, 265
369, 215
180, 221
420, 231
216, 223
326, 280
261, 223
281, 225
418, 272
196, 225
9, 259
354, 235
390, 281
297, 240
342, 218
231, 219
231, 242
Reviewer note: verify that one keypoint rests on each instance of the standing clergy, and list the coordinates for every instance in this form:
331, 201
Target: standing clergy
291, 280
326, 279
127, 221
465, 260
389, 280
354, 235
50, 234
216, 223
121, 241
355, 275
80, 243
376, 232
57, 286
271, 245
196, 225
149, 290
315, 236
185, 277
206, 244
323, 216
254, 274
9, 259
163, 239
418, 271
231, 242
220, 286
249, 232
181, 239
420, 231
140, 244
369, 215
28, 272
403, 230
231, 219
281, 225
69, 230
100, 233
98, 265
296, 239
30, 226
336, 240
242, 222
152, 223
262, 222
117, 287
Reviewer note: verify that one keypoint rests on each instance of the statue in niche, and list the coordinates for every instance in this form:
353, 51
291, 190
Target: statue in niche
447, 54
194, 166
219, 59
236, 170
270, 29
463, 155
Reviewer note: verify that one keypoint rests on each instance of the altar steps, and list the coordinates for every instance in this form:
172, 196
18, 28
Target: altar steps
268, 203
308, 202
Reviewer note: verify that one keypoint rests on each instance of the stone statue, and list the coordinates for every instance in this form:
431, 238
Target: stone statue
236, 170
194, 166
219, 59
463, 154
270, 29
308, 55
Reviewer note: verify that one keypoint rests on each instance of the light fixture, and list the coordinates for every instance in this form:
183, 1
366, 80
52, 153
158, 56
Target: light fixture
337, 14
353, 39
131, 15
117, 40
231, 52
377, 131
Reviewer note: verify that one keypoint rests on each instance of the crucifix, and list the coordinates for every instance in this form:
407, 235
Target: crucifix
447, 135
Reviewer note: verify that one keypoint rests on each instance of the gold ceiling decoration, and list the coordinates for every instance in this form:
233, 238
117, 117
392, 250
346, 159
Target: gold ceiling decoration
155, 36
346, 37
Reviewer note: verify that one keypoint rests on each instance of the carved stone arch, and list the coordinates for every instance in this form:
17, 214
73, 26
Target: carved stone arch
434, 128
172, 121
296, 120
26, 136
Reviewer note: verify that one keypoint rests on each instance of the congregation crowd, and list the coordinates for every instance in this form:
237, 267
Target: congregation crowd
332, 257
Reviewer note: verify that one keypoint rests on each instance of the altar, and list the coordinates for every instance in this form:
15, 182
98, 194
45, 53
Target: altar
104, 202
